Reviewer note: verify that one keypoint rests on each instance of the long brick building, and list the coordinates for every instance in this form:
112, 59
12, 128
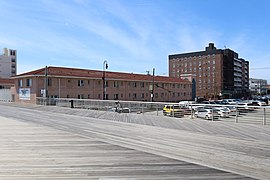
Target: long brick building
61, 82
217, 72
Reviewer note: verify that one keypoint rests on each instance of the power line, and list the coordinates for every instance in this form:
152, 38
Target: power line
260, 68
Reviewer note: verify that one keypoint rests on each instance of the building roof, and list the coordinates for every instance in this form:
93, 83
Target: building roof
210, 50
97, 74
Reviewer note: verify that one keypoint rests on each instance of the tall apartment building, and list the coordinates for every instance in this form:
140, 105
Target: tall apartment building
258, 86
8, 63
89, 84
217, 72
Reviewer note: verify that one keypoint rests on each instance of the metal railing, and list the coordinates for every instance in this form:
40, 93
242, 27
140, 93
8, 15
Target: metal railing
241, 114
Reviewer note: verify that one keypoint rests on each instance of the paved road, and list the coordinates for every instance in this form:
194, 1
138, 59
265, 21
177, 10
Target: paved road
59, 145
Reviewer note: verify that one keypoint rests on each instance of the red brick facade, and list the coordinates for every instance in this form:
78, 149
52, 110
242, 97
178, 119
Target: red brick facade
88, 84
215, 71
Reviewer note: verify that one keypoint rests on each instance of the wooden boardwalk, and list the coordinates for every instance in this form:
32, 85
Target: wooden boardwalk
37, 143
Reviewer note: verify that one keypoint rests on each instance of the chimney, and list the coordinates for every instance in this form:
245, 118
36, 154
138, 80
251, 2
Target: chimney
210, 47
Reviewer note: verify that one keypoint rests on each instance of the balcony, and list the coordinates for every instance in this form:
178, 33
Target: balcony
237, 84
237, 74
237, 79
237, 69
237, 64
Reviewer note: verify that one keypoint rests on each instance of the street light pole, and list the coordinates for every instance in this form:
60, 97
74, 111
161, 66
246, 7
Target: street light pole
105, 66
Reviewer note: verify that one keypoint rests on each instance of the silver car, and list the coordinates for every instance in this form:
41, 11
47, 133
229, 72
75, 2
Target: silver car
207, 113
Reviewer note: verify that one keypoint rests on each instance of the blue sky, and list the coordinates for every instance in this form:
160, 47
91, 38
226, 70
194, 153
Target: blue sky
133, 35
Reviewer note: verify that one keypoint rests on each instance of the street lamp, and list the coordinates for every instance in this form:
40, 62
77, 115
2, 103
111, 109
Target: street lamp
105, 66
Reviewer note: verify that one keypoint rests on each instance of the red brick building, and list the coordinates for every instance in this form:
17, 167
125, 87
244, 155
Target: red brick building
88, 84
216, 72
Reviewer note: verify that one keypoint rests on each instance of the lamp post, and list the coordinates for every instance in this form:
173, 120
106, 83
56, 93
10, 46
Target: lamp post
105, 66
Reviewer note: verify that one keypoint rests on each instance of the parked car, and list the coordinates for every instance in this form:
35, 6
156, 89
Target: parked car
207, 113
258, 103
223, 111
245, 106
233, 110
230, 101
173, 110
208, 102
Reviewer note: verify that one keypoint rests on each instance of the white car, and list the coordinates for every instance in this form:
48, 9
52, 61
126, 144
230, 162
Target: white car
207, 113
245, 106
223, 111
230, 101
258, 103
233, 110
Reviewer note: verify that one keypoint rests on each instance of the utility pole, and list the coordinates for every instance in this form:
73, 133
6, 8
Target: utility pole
153, 85
105, 66
46, 84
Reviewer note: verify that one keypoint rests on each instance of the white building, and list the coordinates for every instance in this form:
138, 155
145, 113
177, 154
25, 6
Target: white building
8, 63
258, 86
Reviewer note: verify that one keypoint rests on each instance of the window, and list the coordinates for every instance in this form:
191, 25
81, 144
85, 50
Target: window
115, 96
156, 95
80, 83
80, 96
20, 82
28, 82
134, 84
142, 95
134, 95
142, 84
115, 84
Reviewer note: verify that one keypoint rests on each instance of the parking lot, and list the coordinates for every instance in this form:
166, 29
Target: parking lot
242, 113
239, 148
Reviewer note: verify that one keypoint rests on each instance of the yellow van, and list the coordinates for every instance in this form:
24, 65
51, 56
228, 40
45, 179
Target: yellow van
173, 110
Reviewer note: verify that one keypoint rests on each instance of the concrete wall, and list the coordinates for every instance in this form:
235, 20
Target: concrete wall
5, 95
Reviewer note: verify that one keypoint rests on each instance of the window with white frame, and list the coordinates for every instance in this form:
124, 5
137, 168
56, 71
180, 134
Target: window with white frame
20, 83
28, 82
80, 83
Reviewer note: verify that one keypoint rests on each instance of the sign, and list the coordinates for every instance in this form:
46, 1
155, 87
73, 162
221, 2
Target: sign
24, 93
43, 92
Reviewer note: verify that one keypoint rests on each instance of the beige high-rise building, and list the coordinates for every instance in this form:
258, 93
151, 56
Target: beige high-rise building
8, 63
